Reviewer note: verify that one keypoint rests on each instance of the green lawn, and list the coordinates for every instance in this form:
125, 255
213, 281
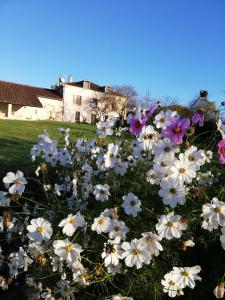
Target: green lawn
17, 138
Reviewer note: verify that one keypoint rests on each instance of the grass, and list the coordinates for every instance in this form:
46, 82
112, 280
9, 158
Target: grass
18, 137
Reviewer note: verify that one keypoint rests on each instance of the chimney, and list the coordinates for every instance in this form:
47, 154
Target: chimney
70, 79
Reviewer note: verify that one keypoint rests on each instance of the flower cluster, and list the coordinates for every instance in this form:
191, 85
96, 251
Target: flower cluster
118, 212
179, 278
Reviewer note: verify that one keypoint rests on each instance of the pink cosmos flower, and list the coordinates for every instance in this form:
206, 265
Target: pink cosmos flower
221, 151
136, 125
198, 117
150, 111
176, 130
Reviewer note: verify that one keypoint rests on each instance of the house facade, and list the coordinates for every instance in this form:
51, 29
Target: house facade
66, 101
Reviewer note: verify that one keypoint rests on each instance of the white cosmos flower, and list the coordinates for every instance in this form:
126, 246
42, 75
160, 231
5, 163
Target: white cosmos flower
57, 264
163, 119
195, 156
17, 180
111, 156
183, 171
208, 226
120, 167
162, 166
71, 223
165, 149
131, 204
111, 269
39, 230
172, 192
186, 276
170, 226
214, 212
101, 192
101, 224
80, 274
112, 252
151, 241
104, 128
135, 254
152, 177
118, 229
4, 200
170, 286
68, 251
148, 137
112, 213
81, 145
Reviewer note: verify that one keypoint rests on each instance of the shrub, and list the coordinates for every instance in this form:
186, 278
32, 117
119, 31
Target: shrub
141, 217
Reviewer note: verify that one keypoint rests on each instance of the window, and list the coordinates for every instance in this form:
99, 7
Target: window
107, 89
77, 100
77, 116
94, 103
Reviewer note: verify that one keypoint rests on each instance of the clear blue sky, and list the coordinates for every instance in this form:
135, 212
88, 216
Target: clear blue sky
169, 47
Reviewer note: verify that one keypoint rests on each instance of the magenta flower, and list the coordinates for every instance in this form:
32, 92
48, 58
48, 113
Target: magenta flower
150, 111
176, 130
221, 151
198, 117
136, 125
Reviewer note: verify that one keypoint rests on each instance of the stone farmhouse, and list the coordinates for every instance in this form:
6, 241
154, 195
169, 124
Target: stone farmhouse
65, 101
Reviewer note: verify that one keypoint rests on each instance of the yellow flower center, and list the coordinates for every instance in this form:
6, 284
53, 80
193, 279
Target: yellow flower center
72, 221
185, 273
172, 283
173, 191
191, 158
182, 170
17, 181
218, 210
69, 248
100, 221
149, 240
40, 229
170, 224
136, 252
117, 228
167, 149
177, 129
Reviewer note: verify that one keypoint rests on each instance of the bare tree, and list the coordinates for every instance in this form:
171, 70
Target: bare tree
101, 106
128, 100
119, 100
129, 92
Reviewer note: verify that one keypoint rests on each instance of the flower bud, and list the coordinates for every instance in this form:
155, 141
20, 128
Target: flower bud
219, 290
41, 260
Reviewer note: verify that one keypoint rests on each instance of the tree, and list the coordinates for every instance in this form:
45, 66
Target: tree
128, 100
128, 91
